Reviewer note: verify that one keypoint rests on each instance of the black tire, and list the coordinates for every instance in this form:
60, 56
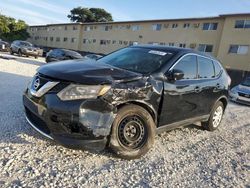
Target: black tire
20, 53
210, 125
11, 52
35, 57
133, 132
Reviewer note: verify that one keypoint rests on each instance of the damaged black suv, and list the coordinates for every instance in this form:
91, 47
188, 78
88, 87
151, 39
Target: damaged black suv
124, 99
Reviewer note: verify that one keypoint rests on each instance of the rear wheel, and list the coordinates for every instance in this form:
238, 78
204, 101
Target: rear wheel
133, 132
20, 53
215, 117
11, 52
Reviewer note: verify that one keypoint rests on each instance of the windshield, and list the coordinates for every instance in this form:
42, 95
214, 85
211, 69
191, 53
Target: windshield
140, 60
26, 44
246, 82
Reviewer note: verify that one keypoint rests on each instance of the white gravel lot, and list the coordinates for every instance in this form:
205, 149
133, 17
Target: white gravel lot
185, 157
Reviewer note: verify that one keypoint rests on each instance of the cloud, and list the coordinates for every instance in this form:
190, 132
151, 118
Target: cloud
31, 17
45, 5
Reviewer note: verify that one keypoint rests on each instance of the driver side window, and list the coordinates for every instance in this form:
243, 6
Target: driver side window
188, 65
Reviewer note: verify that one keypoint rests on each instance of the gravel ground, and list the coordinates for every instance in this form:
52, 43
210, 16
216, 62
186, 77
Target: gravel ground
185, 157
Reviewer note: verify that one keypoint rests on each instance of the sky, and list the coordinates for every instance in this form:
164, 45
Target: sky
38, 12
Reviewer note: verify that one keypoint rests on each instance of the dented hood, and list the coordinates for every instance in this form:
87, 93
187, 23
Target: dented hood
87, 72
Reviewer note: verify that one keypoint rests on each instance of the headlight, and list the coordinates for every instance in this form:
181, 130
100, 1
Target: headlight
75, 92
234, 91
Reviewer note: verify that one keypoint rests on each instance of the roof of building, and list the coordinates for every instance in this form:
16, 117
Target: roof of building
147, 21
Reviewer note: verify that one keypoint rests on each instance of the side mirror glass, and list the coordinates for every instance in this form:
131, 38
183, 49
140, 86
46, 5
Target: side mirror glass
175, 74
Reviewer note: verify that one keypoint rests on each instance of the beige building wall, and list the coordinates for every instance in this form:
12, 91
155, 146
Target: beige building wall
234, 36
188, 36
107, 37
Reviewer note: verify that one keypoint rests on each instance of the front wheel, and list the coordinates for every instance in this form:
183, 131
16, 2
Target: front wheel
133, 132
215, 117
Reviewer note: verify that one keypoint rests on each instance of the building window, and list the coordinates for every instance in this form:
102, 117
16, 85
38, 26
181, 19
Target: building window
114, 42
156, 27
136, 27
51, 39
94, 40
171, 44
88, 28
74, 27
174, 25
186, 25
162, 43
210, 26
182, 45
57, 39
65, 28
46, 38
102, 42
242, 24
238, 49
120, 42
65, 39
84, 41
205, 48
125, 42
73, 40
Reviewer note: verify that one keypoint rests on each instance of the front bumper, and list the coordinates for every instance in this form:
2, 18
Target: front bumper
239, 99
81, 124
32, 53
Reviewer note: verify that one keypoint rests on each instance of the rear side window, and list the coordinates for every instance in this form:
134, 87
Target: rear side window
57, 53
217, 68
188, 65
206, 68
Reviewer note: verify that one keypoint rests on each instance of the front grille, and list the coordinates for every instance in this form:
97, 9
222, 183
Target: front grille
38, 122
244, 95
44, 79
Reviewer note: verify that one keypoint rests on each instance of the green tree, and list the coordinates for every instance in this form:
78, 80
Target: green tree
81, 14
12, 29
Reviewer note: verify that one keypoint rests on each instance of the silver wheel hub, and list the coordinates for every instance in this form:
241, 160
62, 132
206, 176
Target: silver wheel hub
217, 116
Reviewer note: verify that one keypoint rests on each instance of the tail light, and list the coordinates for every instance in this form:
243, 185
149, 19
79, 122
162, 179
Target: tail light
229, 80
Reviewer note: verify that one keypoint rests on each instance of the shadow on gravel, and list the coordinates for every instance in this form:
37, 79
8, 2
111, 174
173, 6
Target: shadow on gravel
31, 61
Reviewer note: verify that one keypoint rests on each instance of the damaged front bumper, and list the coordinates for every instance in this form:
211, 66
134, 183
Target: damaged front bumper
81, 124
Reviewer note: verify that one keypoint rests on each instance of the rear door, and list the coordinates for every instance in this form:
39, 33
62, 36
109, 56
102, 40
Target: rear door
181, 99
209, 84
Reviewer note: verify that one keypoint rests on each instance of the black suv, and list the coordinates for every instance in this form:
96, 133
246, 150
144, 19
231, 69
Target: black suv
61, 55
24, 48
125, 98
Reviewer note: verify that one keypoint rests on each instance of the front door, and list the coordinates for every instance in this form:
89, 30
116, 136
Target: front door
181, 97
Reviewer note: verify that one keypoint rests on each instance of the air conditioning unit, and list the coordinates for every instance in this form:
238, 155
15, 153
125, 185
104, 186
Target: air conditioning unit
166, 26
193, 45
196, 25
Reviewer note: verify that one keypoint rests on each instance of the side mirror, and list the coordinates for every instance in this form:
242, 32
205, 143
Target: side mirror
175, 74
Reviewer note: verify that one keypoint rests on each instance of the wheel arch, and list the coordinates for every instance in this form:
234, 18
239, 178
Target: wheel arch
144, 105
224, 101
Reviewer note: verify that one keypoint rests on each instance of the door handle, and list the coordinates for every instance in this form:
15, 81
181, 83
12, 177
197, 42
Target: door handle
197, 89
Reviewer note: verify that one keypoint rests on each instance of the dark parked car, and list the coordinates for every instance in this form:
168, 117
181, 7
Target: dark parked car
24, 48
123, 99
62, 54
4, 46
241, 92
93, 56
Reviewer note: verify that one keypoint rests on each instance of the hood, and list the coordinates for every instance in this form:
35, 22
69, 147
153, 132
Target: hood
243, 89
87, 72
